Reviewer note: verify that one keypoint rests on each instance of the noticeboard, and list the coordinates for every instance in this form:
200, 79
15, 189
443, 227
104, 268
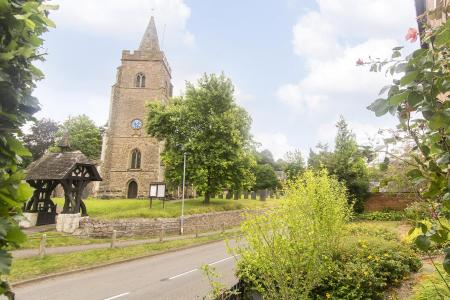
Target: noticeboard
157, 190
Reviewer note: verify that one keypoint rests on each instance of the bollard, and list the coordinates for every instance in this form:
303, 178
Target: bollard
113, 239
161, 234
196, 231
42, 246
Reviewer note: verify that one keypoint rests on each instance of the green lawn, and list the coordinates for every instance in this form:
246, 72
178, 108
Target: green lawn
132, 208
28, 268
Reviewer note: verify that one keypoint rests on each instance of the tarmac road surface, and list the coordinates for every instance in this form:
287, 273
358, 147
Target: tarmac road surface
174, 275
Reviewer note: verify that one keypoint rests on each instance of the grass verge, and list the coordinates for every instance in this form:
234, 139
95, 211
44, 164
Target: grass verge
28, 268
139, 208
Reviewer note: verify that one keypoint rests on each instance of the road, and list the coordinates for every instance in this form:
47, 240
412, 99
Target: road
173, 275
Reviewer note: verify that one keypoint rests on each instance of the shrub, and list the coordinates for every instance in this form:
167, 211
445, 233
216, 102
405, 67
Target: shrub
382, 216
290, 248
432, 287
365, 267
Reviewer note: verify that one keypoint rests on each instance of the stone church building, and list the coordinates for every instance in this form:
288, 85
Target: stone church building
130, 158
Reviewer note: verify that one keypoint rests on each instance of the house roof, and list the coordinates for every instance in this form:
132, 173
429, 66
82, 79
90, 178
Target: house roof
55, 166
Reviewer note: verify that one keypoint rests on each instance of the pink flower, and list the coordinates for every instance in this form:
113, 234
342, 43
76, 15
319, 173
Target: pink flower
411, 35
359, 62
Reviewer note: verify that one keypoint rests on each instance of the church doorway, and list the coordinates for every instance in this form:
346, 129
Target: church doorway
132, 190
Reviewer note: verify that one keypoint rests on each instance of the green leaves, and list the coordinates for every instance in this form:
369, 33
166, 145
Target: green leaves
379, 106
209, 125
409, 77
440, 120
22, 24
423, 242
398, 98
423, 89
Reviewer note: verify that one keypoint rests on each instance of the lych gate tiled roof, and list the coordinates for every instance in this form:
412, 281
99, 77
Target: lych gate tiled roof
54, 166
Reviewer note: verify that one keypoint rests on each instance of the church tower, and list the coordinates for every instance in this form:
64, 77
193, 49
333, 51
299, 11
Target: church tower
130, 158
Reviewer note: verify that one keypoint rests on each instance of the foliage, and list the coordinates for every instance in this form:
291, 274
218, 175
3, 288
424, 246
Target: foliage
41, 137
382, 216
21, 25
217, 291
420, 100
206, 124
290, 247
431, 286
365, 266
83, 135
346, 162
295, 164
265, 177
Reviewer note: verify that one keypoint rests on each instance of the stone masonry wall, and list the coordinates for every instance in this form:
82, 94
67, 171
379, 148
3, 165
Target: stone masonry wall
152, 227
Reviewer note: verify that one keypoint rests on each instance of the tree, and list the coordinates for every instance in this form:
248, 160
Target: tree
41, 137
346, 162
206, 124
83, 135
265, 177
295, 164
420, 100
21, 25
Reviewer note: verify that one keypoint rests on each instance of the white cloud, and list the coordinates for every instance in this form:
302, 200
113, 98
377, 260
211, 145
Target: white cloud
277, 143
120, 18
331, 39
364, 132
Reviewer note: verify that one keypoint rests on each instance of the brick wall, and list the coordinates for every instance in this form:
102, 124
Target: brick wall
381, 201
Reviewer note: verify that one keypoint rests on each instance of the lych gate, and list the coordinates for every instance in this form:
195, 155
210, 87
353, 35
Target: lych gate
72, 170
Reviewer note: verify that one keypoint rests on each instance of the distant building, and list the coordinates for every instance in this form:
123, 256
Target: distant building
130, 158
439, 16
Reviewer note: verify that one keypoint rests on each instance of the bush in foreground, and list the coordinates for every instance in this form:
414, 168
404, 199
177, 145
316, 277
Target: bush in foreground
305, 250
290, 248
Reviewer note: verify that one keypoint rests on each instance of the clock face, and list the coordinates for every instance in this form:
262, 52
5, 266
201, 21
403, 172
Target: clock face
136, 124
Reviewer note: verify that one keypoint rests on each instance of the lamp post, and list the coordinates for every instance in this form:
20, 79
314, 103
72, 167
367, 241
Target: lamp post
182, 197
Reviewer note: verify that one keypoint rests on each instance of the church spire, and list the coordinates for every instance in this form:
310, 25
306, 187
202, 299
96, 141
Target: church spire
150, 39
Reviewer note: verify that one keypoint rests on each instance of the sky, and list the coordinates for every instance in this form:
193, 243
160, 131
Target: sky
292, 61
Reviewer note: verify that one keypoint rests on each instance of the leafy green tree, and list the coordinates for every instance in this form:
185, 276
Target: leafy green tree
295, 164
21, 25
207, 124
83, 135
265, 177
42, 136
420, 100
346, 162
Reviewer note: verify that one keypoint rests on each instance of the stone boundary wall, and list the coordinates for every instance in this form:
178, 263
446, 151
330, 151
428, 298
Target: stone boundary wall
90, 227
382, 201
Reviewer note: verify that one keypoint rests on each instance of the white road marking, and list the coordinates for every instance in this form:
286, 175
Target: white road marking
117, 296
193, 270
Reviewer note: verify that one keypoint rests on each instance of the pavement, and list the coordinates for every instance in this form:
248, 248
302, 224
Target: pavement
174, 275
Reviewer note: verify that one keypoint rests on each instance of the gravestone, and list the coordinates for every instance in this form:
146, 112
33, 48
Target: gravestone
262, 195
237, 195
253, 195
229, 195
246, 195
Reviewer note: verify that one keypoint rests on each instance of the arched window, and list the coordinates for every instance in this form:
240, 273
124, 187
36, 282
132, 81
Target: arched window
132, 190
135, 159
140, 80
